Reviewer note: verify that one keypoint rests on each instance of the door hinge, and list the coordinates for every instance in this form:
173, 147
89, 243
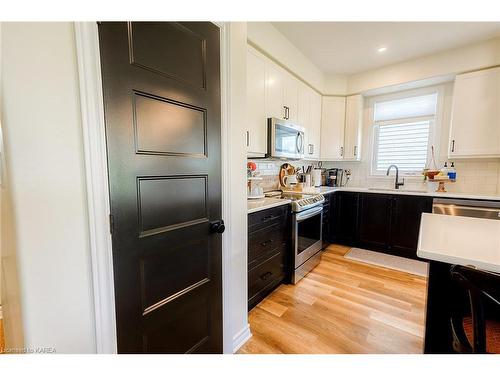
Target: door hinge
111, 224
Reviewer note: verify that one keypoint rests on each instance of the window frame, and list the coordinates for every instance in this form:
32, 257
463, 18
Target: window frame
434, 126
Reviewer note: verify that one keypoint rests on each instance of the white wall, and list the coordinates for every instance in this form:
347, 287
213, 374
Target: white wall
471, 57
43, 140
335, 84
269, 40
237, 187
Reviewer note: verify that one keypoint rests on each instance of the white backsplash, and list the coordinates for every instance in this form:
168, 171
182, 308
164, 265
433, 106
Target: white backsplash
473, 177
269, 170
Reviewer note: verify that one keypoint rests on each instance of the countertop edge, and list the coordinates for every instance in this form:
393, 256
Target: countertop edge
329, 190
450, 259
270, 205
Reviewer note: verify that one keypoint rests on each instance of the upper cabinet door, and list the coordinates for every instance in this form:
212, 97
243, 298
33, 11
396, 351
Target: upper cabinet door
291, 97
256, 103
314, 127
304, 113
475, 124
275, 89
353, 127
309, 116
332, 128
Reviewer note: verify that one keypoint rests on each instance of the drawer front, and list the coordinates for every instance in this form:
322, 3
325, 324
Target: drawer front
265, 218
265, 274
264, 242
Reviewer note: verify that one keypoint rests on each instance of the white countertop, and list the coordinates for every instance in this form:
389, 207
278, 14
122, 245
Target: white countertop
460, 240
327, 190
262, 204
255, 205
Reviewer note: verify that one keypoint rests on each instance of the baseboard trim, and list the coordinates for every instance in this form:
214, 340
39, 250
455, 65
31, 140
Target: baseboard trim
241, 338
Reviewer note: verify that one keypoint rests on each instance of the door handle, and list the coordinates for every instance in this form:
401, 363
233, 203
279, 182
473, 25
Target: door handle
217, 226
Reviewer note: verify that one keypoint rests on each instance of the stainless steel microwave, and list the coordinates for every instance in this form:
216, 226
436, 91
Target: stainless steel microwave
285, 139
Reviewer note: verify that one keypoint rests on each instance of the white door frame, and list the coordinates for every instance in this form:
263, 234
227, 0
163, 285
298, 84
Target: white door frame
94, 140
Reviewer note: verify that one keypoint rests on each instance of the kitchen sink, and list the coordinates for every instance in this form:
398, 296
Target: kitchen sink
398, 190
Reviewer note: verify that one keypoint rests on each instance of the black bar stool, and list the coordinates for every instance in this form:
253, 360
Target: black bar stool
483, 290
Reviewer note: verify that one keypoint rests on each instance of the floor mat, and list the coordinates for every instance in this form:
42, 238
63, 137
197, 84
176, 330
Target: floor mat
412, 266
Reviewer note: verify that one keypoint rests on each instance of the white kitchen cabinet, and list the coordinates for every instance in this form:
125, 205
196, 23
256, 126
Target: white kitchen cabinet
332, 128
275, 90
282, 91
314, 128
256, 137
290, 97
309, 117
475, 123
353, 127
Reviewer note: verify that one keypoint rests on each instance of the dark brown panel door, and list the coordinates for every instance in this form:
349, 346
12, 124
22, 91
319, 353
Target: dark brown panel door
161, 86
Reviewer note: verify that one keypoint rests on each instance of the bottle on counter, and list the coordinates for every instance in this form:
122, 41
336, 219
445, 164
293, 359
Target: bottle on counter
444, 171
452, 172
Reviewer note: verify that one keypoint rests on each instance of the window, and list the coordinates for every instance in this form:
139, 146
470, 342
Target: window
402, 133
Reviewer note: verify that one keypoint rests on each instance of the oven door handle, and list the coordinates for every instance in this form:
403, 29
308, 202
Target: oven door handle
301, 216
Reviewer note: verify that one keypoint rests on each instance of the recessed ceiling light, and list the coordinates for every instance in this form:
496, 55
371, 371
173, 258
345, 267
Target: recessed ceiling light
381, 49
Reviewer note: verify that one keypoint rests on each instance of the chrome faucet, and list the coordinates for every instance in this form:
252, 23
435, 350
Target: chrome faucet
397, 184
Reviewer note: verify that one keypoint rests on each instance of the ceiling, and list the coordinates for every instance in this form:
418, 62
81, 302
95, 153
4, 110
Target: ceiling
351, 47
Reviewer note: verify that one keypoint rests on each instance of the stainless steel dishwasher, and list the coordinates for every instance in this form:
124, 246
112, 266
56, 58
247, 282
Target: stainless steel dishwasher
467, 207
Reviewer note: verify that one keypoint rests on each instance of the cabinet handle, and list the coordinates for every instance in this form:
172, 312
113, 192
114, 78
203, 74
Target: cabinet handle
355, 150
284, 112
453, 146
265, 243
267, 218
287, 113
248, 138
266, 275
341, 151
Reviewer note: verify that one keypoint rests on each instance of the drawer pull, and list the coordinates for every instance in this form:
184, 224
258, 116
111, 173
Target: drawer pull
267, 218
265, 243
266, 276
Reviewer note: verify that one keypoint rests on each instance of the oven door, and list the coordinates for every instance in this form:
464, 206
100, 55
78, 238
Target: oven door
307, 234
286, 140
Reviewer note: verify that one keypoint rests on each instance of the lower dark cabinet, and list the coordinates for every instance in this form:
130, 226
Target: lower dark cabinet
269, 234
263, 278
344, 223
374, 226
327, 210
388, 223
405, 223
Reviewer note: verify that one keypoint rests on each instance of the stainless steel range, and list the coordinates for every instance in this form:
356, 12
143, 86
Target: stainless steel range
307, 222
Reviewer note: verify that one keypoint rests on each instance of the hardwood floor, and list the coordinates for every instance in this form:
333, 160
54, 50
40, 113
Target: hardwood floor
342, 306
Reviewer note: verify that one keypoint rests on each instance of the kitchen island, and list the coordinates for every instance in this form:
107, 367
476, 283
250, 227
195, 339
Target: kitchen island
447, 241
